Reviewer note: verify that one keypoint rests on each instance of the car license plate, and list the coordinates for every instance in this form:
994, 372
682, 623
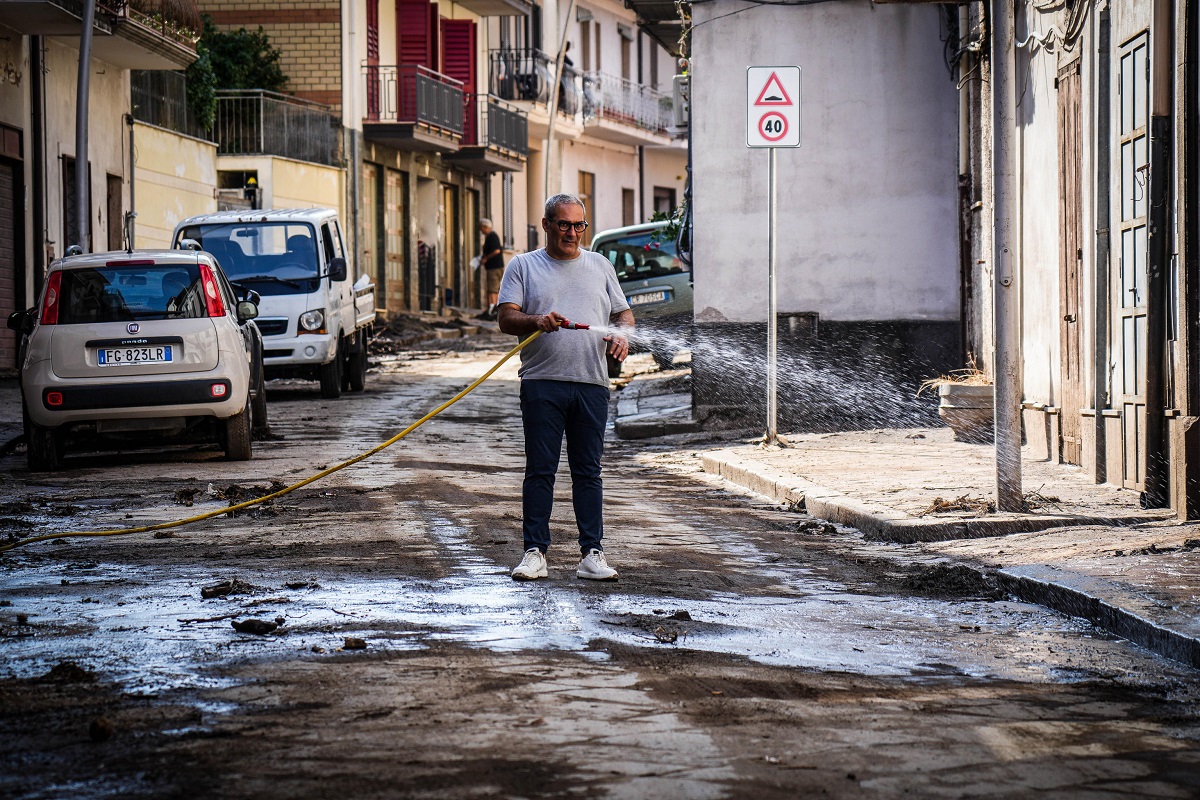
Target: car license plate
122, 356
647, 297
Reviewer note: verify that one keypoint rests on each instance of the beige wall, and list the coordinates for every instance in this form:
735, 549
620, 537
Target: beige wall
292, 184
174, 178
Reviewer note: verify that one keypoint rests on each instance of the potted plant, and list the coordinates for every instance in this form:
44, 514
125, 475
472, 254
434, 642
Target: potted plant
966, 403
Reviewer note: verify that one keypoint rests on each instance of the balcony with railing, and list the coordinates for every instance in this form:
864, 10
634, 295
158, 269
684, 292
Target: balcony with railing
624, 111
131, 34
159, 97
527, 77
495, 135
411, 107
254, 122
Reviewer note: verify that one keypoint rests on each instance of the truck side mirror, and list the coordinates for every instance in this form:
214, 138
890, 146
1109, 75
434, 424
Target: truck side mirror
246, 311
21, 322
337, 269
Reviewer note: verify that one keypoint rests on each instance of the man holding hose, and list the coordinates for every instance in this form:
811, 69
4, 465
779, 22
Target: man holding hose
564, 378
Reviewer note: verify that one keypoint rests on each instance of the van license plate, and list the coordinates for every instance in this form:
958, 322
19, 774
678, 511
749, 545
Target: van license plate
647, 297
121, 356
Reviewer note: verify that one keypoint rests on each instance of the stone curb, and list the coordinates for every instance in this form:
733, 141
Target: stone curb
1106, 604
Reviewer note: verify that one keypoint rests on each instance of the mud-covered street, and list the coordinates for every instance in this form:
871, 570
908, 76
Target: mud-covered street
747, 650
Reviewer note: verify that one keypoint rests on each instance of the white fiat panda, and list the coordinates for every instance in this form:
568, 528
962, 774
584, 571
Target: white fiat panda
148, 344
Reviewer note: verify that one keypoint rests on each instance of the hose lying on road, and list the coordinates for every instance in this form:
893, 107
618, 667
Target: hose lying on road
286, 490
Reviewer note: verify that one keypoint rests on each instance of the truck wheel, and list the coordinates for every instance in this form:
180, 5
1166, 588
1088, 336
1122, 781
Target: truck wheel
43, 447
331, 375
235, 436
258, 406
356, 363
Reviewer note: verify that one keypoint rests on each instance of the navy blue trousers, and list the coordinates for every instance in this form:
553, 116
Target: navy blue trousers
550, 409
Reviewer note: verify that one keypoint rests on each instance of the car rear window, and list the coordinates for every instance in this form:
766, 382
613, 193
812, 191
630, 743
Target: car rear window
641, 255
131, 292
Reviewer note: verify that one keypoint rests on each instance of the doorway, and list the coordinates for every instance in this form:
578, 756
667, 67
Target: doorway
1070, 212
452, 282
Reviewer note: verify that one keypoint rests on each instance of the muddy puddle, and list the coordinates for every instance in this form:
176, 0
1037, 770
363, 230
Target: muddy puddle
156, 633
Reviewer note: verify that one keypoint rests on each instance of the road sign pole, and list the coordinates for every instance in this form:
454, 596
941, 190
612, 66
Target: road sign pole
772, 299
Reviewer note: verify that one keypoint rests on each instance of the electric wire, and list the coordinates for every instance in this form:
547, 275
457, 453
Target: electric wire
161, 526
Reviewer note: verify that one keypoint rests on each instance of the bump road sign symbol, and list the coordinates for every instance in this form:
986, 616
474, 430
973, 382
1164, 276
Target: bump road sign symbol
773, 107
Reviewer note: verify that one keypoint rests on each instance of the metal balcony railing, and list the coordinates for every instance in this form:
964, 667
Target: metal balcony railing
410, 93
177, 20
258, 122
159, 97
492, 122
622, 100
528, 75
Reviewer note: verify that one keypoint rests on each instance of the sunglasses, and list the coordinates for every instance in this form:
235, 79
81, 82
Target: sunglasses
565, 226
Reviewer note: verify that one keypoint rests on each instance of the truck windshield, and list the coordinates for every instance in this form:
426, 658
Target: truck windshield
276, 257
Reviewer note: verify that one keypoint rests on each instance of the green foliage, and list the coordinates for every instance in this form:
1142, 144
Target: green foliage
202, 88
243, 59
674, 220
239, 59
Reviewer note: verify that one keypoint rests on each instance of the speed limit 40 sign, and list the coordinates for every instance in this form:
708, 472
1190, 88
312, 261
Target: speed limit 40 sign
772, 106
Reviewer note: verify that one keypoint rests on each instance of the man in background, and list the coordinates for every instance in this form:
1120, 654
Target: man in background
493, 265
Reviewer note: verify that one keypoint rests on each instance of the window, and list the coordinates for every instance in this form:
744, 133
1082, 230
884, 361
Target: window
664, 199
627, 199
115, 294
653, 65
585, 45
626, 34
587, 189
641, 255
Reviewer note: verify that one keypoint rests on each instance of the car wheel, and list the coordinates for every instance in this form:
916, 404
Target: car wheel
235, 436
43, 447
331, 375
258, 406
614, 366
356, 363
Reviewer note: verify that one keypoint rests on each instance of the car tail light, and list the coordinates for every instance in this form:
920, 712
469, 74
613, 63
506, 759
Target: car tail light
51, 303
54, 398
219, 390
131, 262
212, 295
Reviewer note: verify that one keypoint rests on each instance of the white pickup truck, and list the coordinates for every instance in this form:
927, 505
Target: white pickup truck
314, 319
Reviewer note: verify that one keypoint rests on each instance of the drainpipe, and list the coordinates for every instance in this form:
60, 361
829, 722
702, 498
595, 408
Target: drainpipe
37, 135
553, 106
1006, 299
1101, 299
1156, 493
83, 214
132, 214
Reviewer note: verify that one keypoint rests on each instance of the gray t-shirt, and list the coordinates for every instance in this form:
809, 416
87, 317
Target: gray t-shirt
583, 289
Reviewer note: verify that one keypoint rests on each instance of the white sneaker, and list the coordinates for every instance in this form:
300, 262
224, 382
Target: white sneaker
594, 567
532, 566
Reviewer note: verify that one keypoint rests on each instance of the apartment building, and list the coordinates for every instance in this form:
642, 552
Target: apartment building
444, 119
39, 60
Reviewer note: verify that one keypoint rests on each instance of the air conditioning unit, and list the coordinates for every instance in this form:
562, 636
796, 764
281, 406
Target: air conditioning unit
681, 91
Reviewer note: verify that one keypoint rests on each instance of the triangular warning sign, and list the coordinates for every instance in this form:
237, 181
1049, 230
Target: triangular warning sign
773, 93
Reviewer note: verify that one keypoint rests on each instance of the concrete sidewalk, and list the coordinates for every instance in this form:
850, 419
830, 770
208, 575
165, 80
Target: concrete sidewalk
1083, 549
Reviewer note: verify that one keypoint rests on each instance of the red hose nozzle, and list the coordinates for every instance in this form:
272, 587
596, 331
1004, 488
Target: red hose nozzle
574, 326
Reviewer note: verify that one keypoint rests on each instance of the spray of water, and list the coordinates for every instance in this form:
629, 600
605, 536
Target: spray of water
818, 390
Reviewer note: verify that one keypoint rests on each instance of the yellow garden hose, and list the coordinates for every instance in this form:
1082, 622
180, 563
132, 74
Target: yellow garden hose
287, 490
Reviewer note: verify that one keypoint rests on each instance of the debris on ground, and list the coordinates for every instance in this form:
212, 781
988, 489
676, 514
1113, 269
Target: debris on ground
186, 497
1191, 544
68, 672
975, 505
237, 494
293, 585
354, 643
259, 627
101, 729
1153, 549
814, 526
953, 580
1035, 500
666, 635
226, 588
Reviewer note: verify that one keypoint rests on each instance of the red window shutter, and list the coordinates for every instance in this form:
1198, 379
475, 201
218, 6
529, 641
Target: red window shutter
458, 62
372, 59
414, 39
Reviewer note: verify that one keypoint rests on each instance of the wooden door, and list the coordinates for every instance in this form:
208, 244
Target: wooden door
396, 239
450, 279
116, 214
1134, 138
1070, 180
